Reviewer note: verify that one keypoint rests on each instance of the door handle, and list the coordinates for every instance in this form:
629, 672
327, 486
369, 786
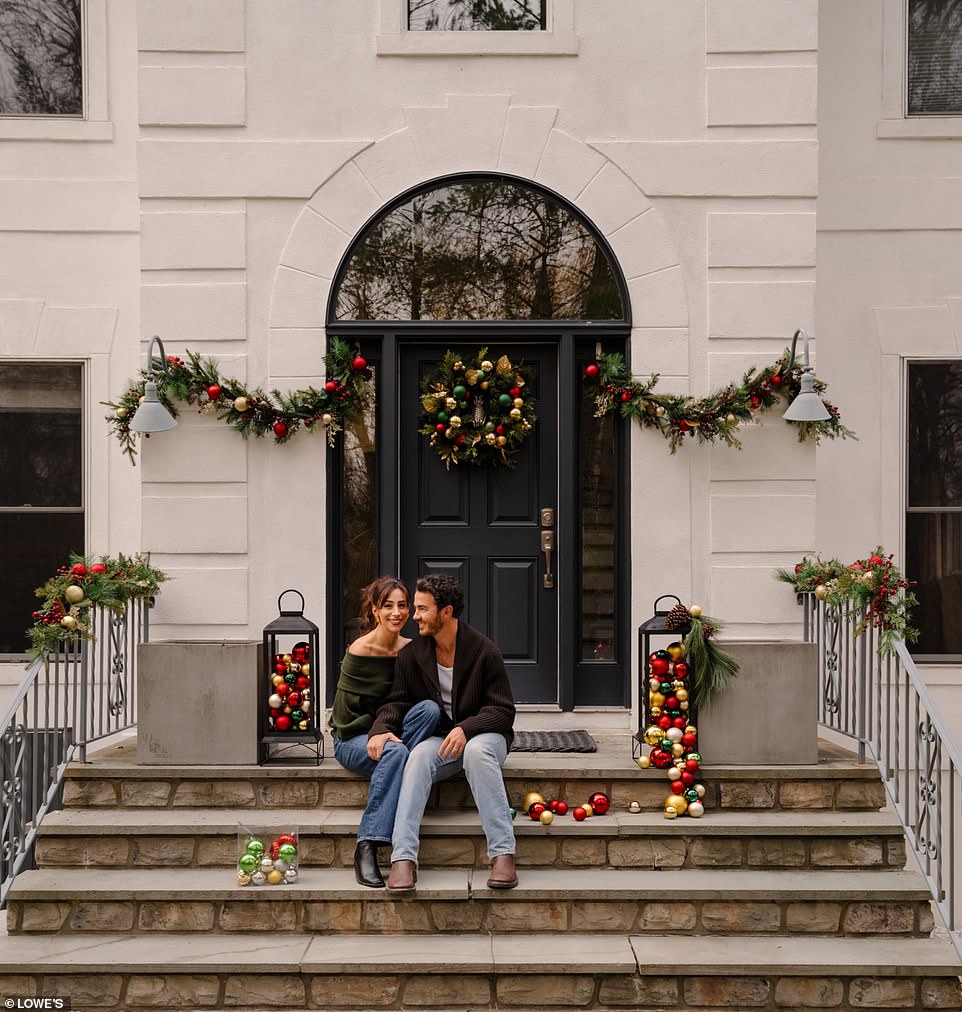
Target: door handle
547, 546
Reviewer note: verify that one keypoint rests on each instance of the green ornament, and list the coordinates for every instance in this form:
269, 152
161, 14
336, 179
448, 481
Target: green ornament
691, 794
287, 852
248, 864
255, 847
513, 813
666, 744
290, 678
694, 755
505, 401
442, 416
297, 716
489, 426
662, 655
459, 392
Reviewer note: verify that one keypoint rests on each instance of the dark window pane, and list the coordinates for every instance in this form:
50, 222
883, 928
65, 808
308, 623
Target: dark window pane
360, 513
34, 545
935, 57
40, 58
40, 434
484, 249
598, 527
476, 15
935, 434
933, 558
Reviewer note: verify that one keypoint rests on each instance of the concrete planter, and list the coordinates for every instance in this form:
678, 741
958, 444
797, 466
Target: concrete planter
769, 716
197, 702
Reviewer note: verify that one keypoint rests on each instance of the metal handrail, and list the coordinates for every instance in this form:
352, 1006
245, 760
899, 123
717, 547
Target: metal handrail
80, 693
880, 701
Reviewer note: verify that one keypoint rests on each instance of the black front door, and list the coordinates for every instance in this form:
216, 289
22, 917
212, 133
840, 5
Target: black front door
483, 525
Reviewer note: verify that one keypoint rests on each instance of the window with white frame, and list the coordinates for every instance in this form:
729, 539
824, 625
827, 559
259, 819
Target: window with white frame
476, 15
41, 494
933, 522
934, 58
41, 58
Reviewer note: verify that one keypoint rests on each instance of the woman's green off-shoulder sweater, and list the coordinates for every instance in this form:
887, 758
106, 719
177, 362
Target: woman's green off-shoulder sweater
361, 688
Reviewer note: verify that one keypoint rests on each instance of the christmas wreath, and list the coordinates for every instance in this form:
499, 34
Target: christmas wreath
475, 411
64, 616
872, 591
709, 419
251, 412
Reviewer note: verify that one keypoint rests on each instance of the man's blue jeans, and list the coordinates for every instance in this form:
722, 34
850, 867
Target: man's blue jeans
377, 822
484, 755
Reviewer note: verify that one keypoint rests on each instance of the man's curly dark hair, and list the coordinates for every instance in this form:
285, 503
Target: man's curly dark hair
445, 590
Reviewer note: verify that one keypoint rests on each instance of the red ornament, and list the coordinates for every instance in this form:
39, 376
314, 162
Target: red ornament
213, 391
514, 392
283, 689
625, 396
687, 778
664, 722
776, 380
660, 758
439, 427
553, 805
677, 787
283, 722
579, 814
535, 809
756, 402
280, 429
689, 740
460, 439
299, 654
683, 425
691, 765
360, 363
97, 567
671, 703
679, 722
275, 712
681, 669
500, 430
79, 569
599, 803
303, 682
293, 698
330, 386
658, 666
591, 371
562, 808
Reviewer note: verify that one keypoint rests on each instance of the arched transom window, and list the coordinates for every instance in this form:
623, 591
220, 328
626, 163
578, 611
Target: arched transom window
479, 248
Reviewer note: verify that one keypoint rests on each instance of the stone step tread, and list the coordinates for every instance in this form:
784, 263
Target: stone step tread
456, 822
460, 883
479, 954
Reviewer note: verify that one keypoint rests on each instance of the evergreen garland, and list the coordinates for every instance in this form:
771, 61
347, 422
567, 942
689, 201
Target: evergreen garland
713, 418
251, 412
714, 668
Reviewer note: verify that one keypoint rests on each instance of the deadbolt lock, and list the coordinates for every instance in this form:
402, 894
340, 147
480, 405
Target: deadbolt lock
547, 517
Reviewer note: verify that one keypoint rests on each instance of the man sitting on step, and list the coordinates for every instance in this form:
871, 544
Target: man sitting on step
464, 673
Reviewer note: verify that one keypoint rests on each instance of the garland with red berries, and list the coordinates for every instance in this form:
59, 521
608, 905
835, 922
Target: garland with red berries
251, 412
713, 418
475, 411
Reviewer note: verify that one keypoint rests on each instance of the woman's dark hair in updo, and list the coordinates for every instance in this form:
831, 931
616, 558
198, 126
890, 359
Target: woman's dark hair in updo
375, 594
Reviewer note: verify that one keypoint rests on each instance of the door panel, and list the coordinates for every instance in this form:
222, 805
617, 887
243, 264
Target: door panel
482, 524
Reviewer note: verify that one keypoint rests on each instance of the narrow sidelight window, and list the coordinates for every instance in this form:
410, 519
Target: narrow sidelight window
933, 523
934, 58
476, 15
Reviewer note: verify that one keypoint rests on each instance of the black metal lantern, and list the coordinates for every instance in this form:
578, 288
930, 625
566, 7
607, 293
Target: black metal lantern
288, 687
665, 675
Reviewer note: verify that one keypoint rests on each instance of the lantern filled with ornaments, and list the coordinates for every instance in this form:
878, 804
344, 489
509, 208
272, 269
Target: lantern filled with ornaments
267, 858
288, 686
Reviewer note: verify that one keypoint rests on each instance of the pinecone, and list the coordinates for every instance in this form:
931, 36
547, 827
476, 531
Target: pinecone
676, 618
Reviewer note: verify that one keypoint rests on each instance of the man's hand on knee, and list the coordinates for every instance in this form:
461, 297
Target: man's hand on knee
375, 744
453, 746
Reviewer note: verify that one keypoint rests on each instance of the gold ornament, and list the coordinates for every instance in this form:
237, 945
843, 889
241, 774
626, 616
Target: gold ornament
691, 729
68, 622
634, 807
120, 413
642, 762
141, 399
455, 422
458, 366
533, 798
326, 419
277, 679
676, 651
243, 879
504, 367
515, 413
502, 440
683, 704
472, 377
519, 402
450, 403
430, 405
652, 734
656, 699
678, 803
589, 811
241, 404
306, 668
671, 812
294, 668
731, 420
547, 817
491, 438
287, 658
821, 592
303, 724
74, 594
655, 711
487, 366
660, 411
695, 611
484, 385
677, 749
275, 877
681, 695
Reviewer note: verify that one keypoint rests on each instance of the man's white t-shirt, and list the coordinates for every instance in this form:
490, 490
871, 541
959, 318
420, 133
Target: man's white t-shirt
446, 678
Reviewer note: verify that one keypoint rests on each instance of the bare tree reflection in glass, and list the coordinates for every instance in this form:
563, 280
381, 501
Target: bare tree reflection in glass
482, 249
935, 57
476, 15
40, 58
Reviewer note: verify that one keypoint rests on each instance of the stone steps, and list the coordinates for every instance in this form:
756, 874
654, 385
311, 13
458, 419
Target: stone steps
328, 900
158, 838
471, 971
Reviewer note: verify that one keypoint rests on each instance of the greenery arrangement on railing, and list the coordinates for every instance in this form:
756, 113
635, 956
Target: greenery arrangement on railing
251, 412
68, 596
871, 590
713, 418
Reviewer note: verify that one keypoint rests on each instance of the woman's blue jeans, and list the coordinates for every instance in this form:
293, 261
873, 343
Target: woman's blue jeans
377, 822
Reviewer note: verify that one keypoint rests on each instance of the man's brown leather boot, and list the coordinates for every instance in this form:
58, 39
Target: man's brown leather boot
503, 872
402, 878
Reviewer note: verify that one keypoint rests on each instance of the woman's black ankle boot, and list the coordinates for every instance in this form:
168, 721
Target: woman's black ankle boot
365, 865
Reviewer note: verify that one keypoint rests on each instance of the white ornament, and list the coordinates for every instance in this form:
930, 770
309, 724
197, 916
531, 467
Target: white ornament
290, 876
275, 702
280, 865
696, 809
675, 733
674, 773
258, 878
266, 864
700, 788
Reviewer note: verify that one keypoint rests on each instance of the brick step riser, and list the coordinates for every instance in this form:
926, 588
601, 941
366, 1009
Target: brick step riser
648, 789
380, 915
549, 851
669, 992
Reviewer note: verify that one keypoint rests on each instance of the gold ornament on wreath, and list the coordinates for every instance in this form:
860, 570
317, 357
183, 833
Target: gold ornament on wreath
477, 411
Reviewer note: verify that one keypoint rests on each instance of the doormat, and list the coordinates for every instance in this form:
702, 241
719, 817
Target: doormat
553, 741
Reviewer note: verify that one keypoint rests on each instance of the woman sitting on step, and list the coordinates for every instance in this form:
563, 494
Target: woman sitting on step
367, 672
